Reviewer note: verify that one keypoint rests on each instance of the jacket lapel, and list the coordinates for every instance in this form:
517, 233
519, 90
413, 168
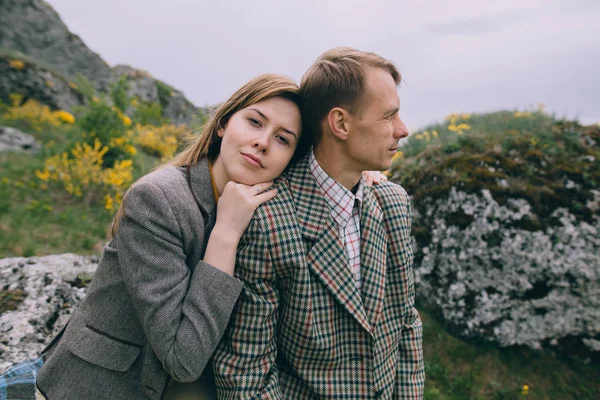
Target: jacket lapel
326, 258
373, 258
200, 183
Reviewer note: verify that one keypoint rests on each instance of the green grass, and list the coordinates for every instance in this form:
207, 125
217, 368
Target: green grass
457, 369
37, 222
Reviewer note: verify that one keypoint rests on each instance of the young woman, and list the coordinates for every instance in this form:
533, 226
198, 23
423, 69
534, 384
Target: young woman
164, 288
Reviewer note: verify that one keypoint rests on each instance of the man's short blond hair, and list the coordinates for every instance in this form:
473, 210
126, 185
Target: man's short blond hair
337, 79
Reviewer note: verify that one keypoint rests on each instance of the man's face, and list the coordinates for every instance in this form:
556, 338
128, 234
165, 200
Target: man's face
376, 127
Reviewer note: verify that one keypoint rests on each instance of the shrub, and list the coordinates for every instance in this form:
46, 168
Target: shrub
160, 141
149, 114
118, 93
80, 172
34, 116
106, 123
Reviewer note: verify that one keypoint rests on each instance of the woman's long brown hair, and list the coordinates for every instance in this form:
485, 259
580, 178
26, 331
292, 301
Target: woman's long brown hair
208, 143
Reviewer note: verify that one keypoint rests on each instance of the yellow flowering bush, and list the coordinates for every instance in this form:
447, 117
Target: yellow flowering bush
32, 114
160, 141
16, 64
66, 117
81, 174
35, 116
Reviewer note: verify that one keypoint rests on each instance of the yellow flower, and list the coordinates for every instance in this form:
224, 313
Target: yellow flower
452, 128
533, 142
126, 120
463, 127
466, 116
399, 154
43, 175
16, 64
419, 137
522, 114
434, 133
525, 390
72, 85
387, 173
50, 84
5, 180
66, 117
108, 202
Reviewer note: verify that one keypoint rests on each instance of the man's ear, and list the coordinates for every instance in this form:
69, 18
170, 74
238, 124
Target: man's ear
338, 121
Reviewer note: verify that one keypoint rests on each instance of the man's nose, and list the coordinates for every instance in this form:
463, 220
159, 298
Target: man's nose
400, 129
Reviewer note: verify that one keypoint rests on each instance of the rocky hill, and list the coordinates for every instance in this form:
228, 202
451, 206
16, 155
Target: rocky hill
41, 59
507, 228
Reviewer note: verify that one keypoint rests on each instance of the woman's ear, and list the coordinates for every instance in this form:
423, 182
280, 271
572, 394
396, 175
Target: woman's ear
338, 122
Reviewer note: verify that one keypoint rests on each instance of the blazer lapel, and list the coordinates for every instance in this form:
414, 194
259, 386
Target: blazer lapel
373, 252
326, 258
200, 182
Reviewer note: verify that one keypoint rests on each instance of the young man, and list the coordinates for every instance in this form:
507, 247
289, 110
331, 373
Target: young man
327, 311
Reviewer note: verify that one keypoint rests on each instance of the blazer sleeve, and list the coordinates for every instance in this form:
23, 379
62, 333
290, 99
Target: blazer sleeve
410, 375
244, 363
183, 314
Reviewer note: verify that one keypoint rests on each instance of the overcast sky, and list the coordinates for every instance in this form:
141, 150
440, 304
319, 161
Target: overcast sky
455, 56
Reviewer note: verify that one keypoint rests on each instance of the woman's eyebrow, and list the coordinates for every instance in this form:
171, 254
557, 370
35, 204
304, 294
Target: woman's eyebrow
259, 112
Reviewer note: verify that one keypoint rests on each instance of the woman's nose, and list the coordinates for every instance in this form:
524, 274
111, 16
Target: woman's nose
261, 143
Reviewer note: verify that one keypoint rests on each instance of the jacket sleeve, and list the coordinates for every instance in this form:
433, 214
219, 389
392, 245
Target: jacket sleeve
410, 375
183, 314
244, 363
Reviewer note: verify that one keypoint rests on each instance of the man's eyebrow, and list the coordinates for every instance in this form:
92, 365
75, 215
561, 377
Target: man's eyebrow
267, 118
391, 111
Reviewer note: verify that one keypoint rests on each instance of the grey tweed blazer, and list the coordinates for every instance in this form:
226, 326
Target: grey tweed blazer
154, 310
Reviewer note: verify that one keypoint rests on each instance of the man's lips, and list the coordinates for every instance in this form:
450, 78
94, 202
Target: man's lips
253, 158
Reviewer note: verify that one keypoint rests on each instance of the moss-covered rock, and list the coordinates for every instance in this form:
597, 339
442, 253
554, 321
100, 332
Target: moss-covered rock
507, 227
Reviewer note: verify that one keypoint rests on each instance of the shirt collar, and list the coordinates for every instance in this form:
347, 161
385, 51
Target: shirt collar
340, 200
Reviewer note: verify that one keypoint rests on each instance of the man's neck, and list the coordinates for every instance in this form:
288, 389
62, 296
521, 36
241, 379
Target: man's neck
336, 164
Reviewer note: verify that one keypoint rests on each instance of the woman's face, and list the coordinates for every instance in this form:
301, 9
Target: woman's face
259, 141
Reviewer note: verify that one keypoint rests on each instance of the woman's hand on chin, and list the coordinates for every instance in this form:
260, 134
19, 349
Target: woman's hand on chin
373, 177
237, 204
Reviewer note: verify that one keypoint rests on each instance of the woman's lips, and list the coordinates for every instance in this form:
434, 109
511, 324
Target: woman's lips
253, 160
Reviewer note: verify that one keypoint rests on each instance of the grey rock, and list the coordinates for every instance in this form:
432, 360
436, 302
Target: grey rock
35, 29
51, 296
496, 281
12, 139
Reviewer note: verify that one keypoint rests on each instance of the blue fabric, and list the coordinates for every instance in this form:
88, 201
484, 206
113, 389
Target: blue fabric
18, 382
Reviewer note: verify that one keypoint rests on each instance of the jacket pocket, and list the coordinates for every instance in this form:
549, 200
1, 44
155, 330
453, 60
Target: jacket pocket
104, 350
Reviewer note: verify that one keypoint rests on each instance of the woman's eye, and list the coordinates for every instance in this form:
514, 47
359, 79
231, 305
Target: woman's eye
254, 122
283, 139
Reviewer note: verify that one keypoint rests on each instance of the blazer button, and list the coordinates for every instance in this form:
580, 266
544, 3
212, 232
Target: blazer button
378, 393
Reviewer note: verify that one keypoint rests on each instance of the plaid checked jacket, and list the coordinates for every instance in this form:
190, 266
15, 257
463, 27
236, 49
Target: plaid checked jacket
301, 329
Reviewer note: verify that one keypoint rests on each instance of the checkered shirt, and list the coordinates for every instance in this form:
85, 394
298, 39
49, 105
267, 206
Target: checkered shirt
345, 210
18, 382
